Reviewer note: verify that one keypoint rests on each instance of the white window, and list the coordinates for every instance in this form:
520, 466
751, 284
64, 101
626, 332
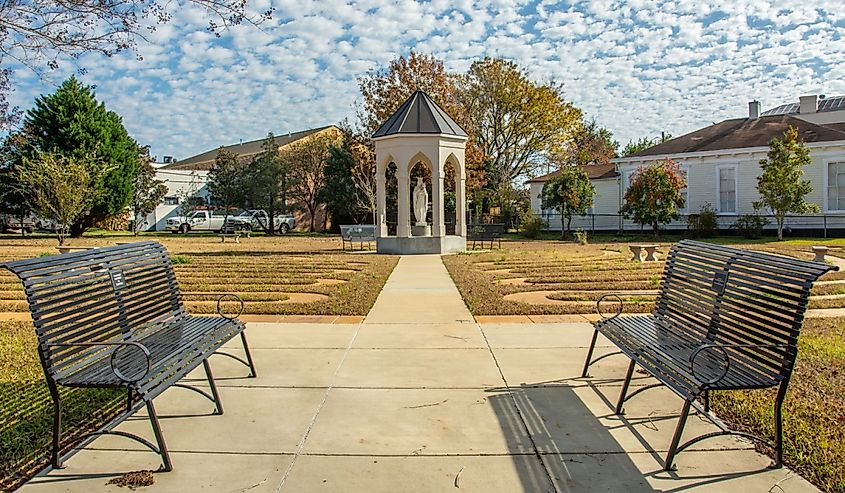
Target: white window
836, 186
726, 190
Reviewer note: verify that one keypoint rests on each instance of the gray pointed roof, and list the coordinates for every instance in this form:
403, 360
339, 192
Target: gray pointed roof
419, 115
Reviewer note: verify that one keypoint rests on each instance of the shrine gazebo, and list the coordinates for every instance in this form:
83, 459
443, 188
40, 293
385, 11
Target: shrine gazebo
420, 132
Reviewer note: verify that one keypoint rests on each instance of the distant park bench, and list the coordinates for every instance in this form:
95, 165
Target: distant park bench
113, 317
357, 233
234, 231
485, 232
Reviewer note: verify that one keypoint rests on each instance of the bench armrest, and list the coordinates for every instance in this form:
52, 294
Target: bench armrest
605, 317
118, 347
236, 298
723, 348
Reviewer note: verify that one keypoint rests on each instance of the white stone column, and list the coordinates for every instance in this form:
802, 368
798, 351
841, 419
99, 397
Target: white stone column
381, 204
460, 203
438, 226
403, 229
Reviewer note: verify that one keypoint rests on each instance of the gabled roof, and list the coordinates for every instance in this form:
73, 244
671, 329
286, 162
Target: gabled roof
594, 171
744, 132
836, 103
204, 160
419, 115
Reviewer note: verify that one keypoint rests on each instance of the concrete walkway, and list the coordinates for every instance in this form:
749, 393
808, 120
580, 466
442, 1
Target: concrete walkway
421, 398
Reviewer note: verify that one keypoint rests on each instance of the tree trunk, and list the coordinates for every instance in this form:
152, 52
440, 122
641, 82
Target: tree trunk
77, 229
655, 228
780, 228
312, 211
271, 212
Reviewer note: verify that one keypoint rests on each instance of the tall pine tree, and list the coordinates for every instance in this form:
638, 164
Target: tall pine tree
72, 123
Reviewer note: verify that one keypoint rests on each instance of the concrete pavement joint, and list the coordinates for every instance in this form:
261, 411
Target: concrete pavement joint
519, 412
301, 445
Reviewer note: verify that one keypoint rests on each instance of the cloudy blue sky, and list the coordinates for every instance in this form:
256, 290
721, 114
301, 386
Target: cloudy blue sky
637, 67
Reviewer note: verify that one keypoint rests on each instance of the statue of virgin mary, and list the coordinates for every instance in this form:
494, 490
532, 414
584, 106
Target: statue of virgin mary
420, 202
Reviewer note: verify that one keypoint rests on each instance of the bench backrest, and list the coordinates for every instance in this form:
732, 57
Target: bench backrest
486, 231
739, 297
358, 231
101, 294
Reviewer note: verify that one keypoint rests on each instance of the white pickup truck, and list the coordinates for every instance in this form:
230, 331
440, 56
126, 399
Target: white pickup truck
255, 219
196, 221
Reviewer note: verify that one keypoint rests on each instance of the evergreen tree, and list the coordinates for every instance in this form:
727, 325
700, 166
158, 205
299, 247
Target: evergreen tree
15, 200
71, 123
226, 187
267, 176
339, 192
781, 188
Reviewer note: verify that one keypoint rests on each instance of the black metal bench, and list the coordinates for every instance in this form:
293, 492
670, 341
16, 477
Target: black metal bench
725, 319
113, 317
485, 232
358, 233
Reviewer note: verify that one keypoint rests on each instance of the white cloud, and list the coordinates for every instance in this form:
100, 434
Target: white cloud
638, 67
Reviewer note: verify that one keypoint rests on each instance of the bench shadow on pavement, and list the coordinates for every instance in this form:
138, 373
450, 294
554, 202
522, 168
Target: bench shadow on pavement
579, 452
575, 448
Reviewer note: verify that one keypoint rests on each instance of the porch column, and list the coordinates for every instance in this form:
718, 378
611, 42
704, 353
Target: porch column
381, 205
438, 227
403, 229
460, 203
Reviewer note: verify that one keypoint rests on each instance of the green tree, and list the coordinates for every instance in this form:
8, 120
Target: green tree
517, 123
226, 187
654, 196
339, 191
780, 185
72, 123
633, 147
268, 179
15, 199
147, 192
63, 188
569, 192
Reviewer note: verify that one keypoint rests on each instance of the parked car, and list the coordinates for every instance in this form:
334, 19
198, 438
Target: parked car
196, 221
10, 223
255, 219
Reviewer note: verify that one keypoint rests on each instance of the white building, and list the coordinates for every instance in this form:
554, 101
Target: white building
191, 173
721, 163
181, 184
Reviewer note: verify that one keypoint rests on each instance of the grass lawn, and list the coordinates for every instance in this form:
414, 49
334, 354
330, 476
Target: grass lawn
553, 277
573, 276
265, 271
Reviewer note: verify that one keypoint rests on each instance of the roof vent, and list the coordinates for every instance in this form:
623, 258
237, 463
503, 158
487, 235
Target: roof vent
808, 104
754, 109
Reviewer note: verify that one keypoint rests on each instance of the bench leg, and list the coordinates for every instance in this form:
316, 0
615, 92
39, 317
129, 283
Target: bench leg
621, 401
585, 373
128, 399
56, 459
213, 386
682, 421
166, 465
252, 373
778, 463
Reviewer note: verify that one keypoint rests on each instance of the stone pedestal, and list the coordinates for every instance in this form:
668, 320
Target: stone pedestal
421, 229
417, 245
